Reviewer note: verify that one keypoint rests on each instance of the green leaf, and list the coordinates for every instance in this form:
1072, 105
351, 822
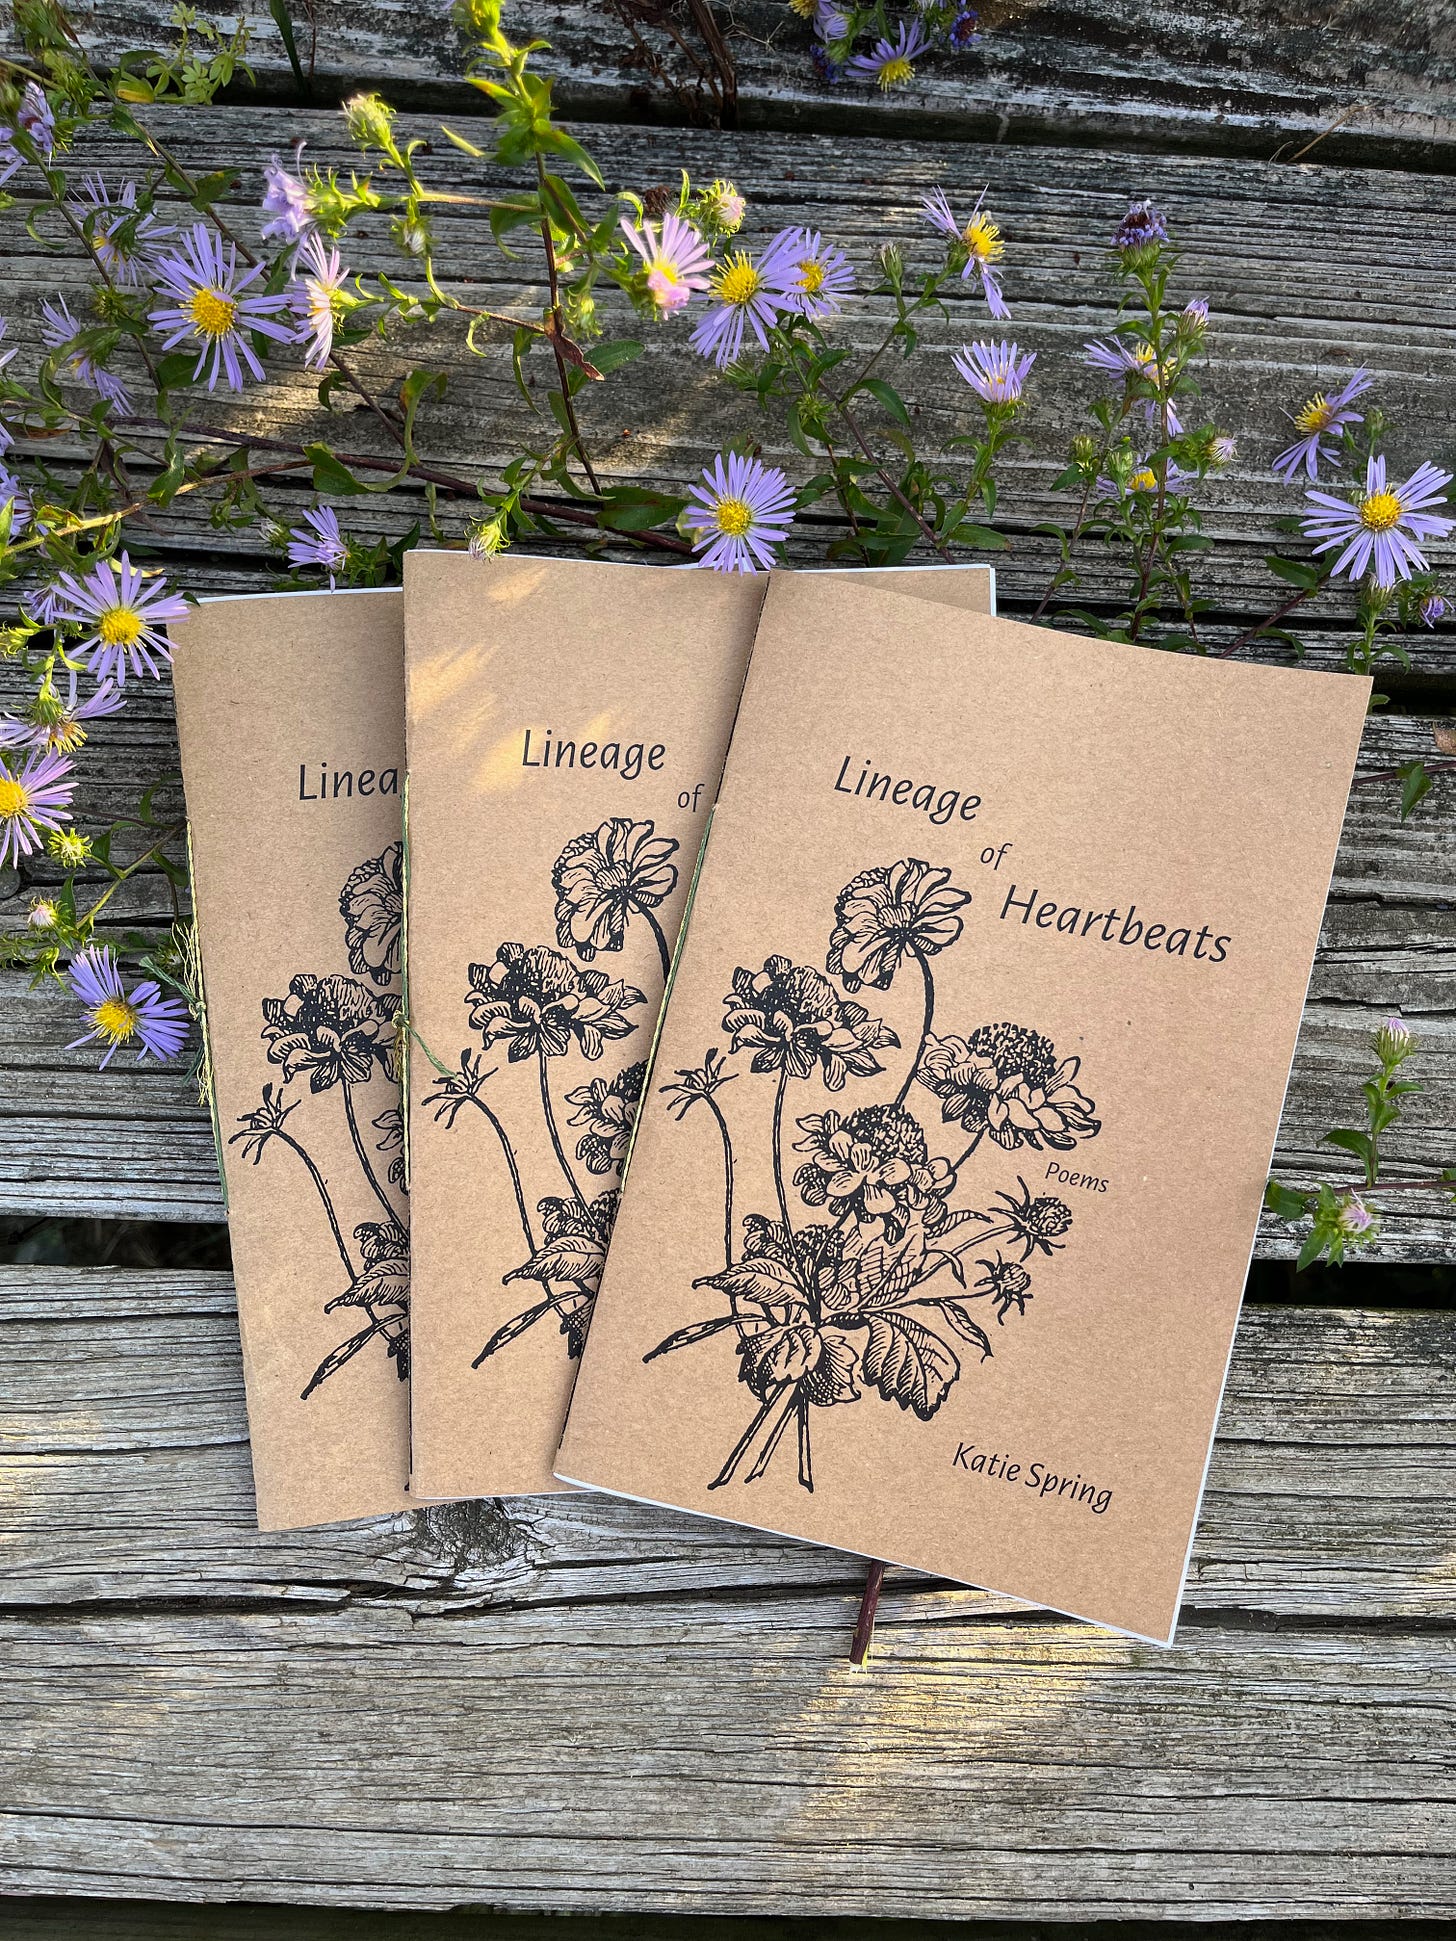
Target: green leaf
1296, 572
1416, 782
329, 475
612, 356
1348, 1140
969, 534
633, 508
889, 397
284, 25
1284, 1201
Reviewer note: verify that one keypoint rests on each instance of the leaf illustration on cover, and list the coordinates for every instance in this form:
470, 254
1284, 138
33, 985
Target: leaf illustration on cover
908, 1363
569, 1261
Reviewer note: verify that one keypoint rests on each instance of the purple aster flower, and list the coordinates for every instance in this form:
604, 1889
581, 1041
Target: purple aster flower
1195, 314
1377, 533
1433, 610
14, 496
741, 510
1357, 1222
211, 309
891, 63
10, 156
125, 243
980, 239
285, 204
961, 34
995, 372
33, 801
812, 274
58, 329
123, 612
35, 117
675, 259
1143, 224
743, 296
64, 732
1317, 419
1134, 361
157, 1025
317, 300
318, 541
829, 71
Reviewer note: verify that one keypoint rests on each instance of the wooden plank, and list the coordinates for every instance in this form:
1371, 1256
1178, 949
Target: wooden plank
1359, 80
132, 1141
574, 1704
124, 1481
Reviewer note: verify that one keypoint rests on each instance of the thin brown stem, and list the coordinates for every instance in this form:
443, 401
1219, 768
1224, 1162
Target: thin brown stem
852, 425
557, 333
1270, 620
864, 1624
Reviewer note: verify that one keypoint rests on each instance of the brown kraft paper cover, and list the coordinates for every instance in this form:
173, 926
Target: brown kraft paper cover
948, 1168
567, 722
291, 715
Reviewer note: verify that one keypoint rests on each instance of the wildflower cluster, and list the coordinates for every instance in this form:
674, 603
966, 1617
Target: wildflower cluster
191, 305
875, 46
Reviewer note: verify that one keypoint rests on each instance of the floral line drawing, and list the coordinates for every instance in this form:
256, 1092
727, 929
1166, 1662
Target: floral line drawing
339, 1033
538, 1004
820, 1310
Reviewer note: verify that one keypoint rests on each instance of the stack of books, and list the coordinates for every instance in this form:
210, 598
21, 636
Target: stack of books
798, 1048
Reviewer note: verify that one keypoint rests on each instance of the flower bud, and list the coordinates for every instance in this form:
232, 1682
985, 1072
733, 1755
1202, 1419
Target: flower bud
1356, 1220
477, 19
1084, 451
411, 235
370, 120
1394, 1041
487, 537
892, 263
1433, 609
43, 915
721, 208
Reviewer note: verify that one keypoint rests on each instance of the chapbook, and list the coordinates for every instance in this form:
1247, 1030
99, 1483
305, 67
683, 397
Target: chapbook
567, 722
290, 710
951, 1155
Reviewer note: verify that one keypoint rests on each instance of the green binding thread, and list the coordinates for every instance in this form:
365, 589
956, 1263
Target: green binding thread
191, 951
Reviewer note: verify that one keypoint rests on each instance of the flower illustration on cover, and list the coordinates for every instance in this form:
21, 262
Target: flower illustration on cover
535, 1003
372, 906
867, 1278
606, 877
331, 1036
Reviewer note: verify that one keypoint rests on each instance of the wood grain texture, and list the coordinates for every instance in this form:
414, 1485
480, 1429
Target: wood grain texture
1363, 78
124, 1481
572, 1703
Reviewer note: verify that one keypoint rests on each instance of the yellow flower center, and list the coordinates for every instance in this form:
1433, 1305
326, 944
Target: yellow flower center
65, 736
982, 238
803, 8
665, 268
1314, 416
120, 627
1380, 511
896, 70
212, 313
14, 798
734, 516
1144, 481
738, 281
811, 276
116, 1020
1145, 355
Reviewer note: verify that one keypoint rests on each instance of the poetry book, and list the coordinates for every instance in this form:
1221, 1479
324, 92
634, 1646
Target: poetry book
290, 709
567, 722
949, 1163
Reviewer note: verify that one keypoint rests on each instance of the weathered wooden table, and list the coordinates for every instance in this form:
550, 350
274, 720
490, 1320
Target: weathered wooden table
572, 1703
